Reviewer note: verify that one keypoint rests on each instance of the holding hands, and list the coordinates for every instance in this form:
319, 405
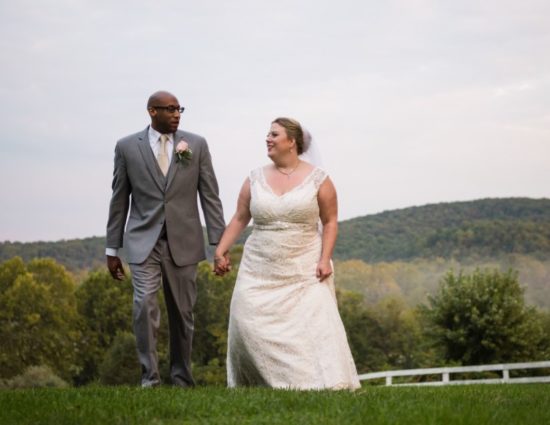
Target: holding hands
222, 264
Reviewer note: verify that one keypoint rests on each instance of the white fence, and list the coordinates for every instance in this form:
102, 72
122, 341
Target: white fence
446, 373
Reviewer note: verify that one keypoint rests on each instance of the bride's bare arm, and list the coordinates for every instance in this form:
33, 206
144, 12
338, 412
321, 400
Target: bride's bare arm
328, 212
240, 220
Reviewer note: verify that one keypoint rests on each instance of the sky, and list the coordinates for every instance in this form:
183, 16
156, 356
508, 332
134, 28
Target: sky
410, 102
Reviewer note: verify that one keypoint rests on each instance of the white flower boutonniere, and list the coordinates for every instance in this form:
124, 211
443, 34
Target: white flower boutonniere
183, 151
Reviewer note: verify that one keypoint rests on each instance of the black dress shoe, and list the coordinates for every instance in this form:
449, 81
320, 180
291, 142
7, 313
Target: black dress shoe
180, 383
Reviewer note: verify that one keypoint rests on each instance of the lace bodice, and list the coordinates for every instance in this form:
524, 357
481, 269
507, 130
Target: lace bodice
296, 207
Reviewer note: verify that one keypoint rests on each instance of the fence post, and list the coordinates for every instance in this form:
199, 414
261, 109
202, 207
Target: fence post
388, 380
446, 377
505, 375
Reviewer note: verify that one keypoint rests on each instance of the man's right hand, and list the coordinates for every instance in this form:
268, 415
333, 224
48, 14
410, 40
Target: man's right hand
115, 267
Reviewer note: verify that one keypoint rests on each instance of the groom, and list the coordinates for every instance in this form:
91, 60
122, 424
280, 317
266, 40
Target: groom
157, 175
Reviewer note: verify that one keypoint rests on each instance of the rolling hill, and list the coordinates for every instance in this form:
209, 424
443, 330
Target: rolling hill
484, 228
481, 229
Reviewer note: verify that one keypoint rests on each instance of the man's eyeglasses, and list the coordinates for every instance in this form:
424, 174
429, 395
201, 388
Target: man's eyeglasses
171, 108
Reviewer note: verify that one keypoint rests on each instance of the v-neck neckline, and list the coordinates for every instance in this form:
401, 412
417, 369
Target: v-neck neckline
304, 180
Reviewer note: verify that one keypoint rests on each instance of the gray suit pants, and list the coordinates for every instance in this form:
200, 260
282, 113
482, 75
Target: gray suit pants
180, 293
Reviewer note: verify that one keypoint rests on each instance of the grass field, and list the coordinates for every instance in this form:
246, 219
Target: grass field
476, 404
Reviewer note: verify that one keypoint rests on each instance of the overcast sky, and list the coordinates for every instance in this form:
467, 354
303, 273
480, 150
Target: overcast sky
410, 102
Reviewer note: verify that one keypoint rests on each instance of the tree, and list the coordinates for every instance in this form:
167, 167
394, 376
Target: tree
482, 318
38, 317
120, 366
105, 308
386, 335
374, 281
360, 327
400, 338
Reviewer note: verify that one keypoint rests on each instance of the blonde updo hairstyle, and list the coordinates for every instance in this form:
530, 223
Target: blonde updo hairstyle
295, 132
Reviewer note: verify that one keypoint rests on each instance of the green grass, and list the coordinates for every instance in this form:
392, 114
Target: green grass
476, 404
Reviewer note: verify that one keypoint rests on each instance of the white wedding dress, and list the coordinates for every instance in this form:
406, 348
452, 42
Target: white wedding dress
284, 327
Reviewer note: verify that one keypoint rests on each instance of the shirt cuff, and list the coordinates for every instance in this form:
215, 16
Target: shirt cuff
112, 252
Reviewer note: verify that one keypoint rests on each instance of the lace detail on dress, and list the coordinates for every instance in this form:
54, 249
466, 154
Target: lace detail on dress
284, 328
255, 175
318, 176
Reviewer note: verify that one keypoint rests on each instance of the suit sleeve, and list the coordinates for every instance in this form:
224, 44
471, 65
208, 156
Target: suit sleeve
209, 197
120, 201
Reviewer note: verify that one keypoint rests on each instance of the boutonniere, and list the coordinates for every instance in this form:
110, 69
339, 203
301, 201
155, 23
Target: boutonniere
183, 151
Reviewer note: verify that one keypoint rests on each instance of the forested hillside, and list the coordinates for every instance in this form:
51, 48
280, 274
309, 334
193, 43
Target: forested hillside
75, 254
484, 228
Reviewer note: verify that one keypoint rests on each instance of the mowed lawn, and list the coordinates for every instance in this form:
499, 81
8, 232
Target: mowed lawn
473, 404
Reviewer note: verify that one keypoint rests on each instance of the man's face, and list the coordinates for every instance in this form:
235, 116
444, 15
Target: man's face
165, 114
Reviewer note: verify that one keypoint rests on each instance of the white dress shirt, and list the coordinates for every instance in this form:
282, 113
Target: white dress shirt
154, 141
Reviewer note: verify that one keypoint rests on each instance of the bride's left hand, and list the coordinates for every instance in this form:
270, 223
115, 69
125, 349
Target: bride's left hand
324, 269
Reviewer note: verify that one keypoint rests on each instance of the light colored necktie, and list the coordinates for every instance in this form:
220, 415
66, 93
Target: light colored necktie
162, 156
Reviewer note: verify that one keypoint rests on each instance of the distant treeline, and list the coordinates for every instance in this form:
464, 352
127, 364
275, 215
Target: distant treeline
75, 254
413, 281
482, 229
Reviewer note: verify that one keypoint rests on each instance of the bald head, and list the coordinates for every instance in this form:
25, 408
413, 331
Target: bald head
161, 97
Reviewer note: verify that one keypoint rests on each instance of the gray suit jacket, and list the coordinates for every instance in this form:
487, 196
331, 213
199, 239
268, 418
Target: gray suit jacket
155, 201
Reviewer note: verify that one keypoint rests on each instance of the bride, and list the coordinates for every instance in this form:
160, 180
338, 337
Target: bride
284, 327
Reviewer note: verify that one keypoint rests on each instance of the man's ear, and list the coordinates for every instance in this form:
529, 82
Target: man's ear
152, 112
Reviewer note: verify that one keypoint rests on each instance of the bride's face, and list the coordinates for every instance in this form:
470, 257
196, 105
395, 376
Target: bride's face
277, 141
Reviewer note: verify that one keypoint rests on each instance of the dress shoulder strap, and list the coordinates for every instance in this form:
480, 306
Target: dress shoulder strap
318, 176
255, 175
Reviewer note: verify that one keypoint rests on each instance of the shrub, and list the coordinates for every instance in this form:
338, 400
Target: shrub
214, 373
482, 318
36, 377
120, 365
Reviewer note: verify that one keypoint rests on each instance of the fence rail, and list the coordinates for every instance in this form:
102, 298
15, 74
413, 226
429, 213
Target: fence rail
446, 373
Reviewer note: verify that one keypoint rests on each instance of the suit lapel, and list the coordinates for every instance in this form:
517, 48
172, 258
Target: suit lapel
149, 159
